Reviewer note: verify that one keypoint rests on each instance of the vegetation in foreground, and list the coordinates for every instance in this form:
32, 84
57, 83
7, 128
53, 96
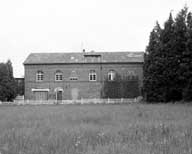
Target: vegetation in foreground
96, 129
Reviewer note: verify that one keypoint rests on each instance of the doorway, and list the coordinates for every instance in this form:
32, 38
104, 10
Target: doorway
59, 95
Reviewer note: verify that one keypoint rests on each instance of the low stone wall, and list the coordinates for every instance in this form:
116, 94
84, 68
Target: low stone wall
79, 101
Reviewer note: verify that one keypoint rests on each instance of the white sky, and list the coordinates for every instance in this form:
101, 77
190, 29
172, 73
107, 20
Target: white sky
69, 25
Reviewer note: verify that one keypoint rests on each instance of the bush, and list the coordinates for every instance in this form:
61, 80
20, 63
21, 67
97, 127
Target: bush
127, 87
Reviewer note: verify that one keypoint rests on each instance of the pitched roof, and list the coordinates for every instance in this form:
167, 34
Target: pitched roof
81, 57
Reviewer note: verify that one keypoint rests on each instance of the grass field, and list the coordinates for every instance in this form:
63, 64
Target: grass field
96, 129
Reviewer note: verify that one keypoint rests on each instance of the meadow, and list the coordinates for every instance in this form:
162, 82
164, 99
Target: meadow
96, 129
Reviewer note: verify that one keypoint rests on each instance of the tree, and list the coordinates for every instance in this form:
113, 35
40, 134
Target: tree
3, 76
187, 93
168, 60
7, 83
180, 30
150, 65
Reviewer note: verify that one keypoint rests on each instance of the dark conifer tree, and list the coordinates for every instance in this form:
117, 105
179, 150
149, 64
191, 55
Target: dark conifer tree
168, 60
180, 30
187, 92
150, 68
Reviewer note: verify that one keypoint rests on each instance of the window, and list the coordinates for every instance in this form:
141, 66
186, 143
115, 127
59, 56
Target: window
131, 75
58, 76
73, 76
92, 75
111, 75
39, 76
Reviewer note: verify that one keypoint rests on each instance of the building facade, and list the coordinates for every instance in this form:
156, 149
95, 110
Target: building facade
66, 76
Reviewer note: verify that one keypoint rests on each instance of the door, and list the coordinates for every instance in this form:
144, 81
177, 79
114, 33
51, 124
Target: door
41, 95
59, 95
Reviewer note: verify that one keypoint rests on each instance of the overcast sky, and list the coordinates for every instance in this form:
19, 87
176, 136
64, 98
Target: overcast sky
70, 25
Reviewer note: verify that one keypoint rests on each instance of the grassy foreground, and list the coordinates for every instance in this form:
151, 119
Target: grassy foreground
96, 129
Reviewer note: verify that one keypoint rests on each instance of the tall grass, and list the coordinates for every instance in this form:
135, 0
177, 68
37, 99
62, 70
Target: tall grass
96, 129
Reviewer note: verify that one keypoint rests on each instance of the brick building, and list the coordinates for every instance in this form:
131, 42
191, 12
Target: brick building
61, 76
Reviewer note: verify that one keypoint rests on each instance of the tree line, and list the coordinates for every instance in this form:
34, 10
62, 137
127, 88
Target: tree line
168, 60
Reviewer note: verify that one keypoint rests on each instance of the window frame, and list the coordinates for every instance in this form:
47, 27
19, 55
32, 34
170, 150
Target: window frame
111, 75
39, 76
92, 75
73, 78
58, 76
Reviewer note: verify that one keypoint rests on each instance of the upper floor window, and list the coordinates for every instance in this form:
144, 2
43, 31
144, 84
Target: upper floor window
92, 75
73, 76
111, 75
39, 76
131, 75
58, 76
